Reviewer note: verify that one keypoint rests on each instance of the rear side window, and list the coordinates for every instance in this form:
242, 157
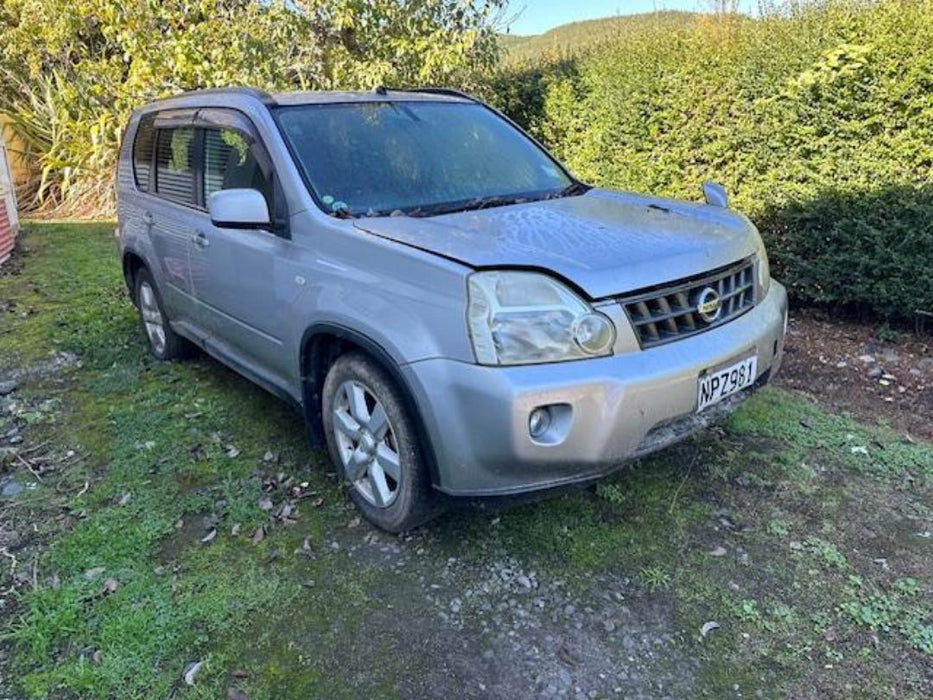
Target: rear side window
230, 162
175, 165
142, 152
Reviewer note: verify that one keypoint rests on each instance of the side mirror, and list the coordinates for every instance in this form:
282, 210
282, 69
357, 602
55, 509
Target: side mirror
238, 208
715, 194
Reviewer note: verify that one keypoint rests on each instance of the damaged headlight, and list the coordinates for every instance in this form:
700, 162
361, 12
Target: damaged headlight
525, 317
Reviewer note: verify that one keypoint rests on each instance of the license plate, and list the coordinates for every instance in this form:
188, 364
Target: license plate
717, 384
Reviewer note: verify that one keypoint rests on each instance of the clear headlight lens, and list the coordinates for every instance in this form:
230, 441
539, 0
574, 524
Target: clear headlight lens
524, 317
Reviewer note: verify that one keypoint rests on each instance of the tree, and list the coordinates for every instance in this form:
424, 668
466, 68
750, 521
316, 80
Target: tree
72, 70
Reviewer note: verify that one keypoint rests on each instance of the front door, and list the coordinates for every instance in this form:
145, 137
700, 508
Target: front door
233, 270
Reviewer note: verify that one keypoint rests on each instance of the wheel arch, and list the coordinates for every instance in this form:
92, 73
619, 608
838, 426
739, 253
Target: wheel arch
132, 263
321, 345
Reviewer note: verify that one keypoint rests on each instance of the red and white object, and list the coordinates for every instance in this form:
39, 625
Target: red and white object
9, 220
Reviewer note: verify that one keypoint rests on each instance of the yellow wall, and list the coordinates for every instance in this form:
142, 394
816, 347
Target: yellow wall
19, 166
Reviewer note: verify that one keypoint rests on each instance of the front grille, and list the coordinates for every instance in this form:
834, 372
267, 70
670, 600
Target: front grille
676, 311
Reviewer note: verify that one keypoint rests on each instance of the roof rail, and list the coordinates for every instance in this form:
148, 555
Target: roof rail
450, 92
260, 95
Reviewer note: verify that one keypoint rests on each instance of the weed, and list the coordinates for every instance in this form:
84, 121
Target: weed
778, 527
654, 577
826, 551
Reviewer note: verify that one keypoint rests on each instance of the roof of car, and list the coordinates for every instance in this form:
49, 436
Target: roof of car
316, 96
387, 95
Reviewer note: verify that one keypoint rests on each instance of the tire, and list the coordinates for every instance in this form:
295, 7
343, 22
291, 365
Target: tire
163, 342
392, 496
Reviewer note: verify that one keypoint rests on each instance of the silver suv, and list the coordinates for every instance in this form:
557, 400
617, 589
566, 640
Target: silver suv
449, 308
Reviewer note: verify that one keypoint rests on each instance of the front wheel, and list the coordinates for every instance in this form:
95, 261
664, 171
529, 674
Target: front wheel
373, 443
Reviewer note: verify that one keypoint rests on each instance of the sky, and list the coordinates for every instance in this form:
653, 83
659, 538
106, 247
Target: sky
537, 16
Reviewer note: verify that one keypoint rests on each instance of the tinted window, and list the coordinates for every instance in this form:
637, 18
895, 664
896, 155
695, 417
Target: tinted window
229, 162
142, 152
175, 165
375, 157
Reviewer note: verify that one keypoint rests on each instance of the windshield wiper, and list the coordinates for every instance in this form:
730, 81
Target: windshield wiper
571, 190
478, 203
494, 201
471, 205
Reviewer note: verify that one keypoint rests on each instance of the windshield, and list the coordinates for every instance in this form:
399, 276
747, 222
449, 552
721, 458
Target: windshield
420, 158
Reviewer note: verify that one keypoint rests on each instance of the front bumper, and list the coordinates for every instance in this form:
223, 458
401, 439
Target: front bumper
612, 409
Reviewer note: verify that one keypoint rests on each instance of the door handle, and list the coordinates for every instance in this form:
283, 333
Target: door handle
200, 239
147, 218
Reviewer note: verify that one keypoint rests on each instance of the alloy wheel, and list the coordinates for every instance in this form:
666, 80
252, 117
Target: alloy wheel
152, 318
366, 444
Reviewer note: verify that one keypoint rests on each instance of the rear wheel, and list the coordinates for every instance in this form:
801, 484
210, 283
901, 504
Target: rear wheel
164, 343
374, 445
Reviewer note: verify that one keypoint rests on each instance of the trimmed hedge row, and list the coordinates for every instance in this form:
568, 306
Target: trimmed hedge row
817, 118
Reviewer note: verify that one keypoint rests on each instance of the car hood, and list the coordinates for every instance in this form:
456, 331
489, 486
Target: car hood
606, 243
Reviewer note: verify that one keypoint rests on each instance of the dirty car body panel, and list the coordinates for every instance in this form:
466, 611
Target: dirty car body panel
400, 283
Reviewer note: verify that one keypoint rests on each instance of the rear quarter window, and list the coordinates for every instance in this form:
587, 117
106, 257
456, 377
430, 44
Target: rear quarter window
143, 144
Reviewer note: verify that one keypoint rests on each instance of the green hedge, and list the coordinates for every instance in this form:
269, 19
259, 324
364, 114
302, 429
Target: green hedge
818, 119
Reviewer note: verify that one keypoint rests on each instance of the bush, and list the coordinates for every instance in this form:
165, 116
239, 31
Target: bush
817, 117
72, 70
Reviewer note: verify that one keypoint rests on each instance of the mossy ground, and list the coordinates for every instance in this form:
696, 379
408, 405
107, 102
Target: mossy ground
815, 558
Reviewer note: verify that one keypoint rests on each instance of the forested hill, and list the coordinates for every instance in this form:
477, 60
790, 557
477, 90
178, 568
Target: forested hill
576, 37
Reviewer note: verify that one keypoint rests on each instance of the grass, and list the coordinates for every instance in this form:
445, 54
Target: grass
772, 526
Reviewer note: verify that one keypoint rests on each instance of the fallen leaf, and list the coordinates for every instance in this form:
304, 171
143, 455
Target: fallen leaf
859, 450
305, 548
265, 503
708, 627
286, 513
109, 586
232, 451
354, 523
191, 671
258, 535
195, 452
96, 656
830, 635
125, 498
94, 573
718, 552
209, 537
270, 457
235, 530
240, 673
237, 694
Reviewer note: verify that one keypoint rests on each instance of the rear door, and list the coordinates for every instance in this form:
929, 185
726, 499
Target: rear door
170, 216
233, 269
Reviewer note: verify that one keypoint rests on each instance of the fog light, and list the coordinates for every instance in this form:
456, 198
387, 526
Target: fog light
539, 421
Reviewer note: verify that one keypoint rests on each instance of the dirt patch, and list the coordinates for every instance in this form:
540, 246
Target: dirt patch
847, 367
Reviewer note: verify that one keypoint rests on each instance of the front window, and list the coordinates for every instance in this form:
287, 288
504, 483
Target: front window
230, 162
418, 158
